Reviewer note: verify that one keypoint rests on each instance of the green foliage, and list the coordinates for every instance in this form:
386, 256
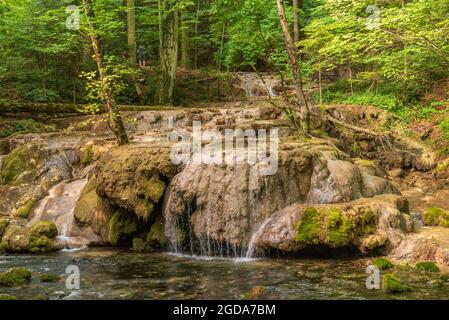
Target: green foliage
435, 216
444, 127
12, 126
15, 277
383, 263
427, 266
392, 284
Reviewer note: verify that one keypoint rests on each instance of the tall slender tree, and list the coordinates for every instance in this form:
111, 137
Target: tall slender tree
168, 48
301, 102
132, 42
115, 122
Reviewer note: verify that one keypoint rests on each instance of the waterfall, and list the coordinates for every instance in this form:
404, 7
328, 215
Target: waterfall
58, 206
252, 243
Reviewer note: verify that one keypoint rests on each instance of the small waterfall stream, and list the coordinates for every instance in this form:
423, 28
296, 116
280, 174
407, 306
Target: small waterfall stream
58, 206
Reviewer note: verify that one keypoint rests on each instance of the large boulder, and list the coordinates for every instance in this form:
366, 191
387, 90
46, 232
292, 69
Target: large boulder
222, 206
37, 238
135, 178
367, 225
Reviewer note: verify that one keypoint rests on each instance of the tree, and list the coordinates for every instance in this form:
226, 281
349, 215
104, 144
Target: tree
301, 102
168, 49
131, 17
115, 122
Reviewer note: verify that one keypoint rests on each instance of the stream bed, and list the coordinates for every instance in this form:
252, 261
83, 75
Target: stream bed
117, 274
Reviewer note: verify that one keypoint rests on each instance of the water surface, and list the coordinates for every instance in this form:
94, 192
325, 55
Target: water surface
118, 274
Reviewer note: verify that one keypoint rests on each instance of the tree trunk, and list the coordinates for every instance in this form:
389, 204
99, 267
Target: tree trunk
132, 44
114, 118
301, 102
185, 40
168, 51
296, 4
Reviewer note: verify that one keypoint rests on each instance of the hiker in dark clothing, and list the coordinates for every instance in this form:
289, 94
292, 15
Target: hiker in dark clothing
142, 56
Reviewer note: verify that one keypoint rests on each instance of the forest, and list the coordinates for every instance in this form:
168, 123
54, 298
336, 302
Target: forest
391, 54
224, 149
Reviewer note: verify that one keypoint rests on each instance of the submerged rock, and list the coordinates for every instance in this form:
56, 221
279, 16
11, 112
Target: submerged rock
15, 277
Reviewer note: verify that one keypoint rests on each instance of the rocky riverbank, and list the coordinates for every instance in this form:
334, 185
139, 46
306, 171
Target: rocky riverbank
337, 192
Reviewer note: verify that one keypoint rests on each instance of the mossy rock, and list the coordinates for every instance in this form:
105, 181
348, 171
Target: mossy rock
15, 277
7, 297
427, 266
40, 244
19, 165
44, 228
24, 210
15, 239
50, 277
87, 203
87, 156
38, 238
435, 216
144, 209
139, 245
156, 236
3, 224
121, 226
392, 284
155, 190
40, 297
444, 277
383, 263
333, 227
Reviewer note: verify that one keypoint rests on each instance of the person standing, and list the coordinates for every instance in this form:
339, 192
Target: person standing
142, 56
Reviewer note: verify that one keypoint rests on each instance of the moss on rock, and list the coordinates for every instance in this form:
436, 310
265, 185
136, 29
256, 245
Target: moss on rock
156, 236
44, 228
121, 226
139, 245
427, 266
15, 277
50, 278
24, 210
391, 284
435, 216
38, 238
3, 224
333, 227
20, 162
383, 263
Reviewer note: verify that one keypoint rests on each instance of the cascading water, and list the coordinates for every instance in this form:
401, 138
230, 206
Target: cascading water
59, 207
258, 85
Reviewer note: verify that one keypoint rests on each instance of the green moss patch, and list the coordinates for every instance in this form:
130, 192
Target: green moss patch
15, 277
383, 264
50, 278
121, 226
156, 236
392, 284
333, 227
427, 266
44, 228
3, 224
24, 211
435, 216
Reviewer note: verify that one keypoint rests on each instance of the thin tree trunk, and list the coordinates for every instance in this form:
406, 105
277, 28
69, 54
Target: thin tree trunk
132, 43
115, 122
301, 102
168, 51
350, 79
296, 4
185, 40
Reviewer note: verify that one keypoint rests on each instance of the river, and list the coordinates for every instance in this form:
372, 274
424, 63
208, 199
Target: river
117, 274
